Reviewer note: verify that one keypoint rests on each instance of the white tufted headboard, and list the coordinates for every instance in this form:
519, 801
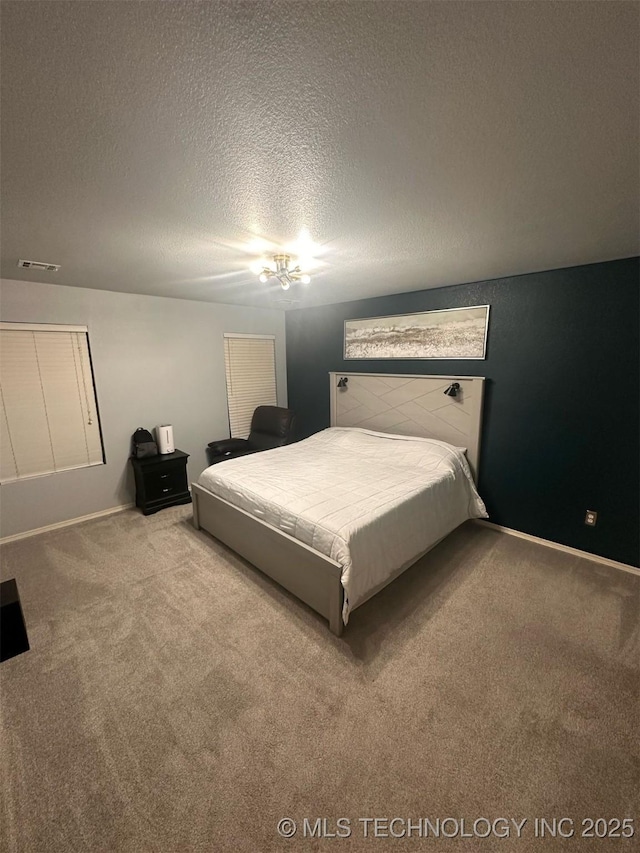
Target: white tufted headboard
410, 404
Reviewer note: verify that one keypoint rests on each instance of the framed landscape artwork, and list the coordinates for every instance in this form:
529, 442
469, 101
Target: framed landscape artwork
454, 333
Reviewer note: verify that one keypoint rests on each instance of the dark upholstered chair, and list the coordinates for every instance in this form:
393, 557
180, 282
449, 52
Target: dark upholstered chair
271, 426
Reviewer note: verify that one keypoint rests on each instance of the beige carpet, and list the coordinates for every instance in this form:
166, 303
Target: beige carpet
174, 699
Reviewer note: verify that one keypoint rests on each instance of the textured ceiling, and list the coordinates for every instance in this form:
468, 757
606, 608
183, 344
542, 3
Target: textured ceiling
145, 145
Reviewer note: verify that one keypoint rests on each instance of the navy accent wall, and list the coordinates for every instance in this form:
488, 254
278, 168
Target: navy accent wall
561, 426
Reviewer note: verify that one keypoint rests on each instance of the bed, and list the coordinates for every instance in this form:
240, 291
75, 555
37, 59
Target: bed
336, 517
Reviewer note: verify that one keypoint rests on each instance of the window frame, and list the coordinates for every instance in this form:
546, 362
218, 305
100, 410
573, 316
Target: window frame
89, 386
256, 336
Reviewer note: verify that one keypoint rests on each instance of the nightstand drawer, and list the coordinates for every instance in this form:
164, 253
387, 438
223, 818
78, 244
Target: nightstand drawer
162, 483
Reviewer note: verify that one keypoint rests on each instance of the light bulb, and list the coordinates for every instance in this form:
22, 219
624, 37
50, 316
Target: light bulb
285, 284
263, 277
305, 279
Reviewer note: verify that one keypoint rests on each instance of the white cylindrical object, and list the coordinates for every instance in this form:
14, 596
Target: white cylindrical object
164, 437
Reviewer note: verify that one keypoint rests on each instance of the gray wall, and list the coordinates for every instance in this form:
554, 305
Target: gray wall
155, 360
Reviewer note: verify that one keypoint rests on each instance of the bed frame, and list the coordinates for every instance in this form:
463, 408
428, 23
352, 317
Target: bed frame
405, 404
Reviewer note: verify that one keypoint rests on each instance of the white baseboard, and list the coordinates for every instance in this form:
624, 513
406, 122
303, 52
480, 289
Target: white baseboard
68, 523
558, 547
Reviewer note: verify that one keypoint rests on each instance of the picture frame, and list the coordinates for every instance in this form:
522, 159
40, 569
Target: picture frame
450, 333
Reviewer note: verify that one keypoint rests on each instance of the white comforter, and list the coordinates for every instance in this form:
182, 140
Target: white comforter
369, 500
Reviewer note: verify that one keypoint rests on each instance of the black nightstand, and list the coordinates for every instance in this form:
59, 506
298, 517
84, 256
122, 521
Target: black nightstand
161, 481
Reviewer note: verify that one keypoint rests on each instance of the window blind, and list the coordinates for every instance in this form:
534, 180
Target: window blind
48, 408
250, 365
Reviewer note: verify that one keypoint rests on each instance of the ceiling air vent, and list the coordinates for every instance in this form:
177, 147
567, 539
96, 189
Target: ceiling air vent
38, 265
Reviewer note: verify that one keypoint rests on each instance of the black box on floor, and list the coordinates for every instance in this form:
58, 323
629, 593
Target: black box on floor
13, 632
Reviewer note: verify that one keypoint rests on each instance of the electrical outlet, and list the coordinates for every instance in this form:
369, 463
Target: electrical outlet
591, 518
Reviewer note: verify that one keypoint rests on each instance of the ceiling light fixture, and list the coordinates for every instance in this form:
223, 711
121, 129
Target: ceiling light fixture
282, 272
